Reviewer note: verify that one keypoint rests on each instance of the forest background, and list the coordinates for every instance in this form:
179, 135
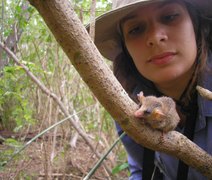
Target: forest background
26, 110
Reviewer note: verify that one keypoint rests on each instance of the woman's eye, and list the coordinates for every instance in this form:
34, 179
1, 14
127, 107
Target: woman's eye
136, 30
169, 18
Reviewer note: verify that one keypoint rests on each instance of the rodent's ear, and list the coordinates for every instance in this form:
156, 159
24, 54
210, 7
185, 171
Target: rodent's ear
141, 97
157, 114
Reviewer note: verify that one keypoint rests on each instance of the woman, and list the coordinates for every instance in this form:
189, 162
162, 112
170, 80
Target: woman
163, 48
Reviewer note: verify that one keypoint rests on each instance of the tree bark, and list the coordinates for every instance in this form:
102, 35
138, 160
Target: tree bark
78, 46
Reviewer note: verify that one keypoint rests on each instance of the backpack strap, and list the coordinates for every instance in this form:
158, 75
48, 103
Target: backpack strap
148, 163
182, 172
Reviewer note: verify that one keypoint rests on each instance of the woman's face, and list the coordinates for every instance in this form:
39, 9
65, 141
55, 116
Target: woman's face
161, 41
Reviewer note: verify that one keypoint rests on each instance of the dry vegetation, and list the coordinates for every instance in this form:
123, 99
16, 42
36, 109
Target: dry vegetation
46, 159
25, 110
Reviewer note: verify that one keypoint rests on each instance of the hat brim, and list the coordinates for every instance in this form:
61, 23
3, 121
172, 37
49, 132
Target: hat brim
107, 38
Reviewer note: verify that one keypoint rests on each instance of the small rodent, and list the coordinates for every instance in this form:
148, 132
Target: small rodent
159, 112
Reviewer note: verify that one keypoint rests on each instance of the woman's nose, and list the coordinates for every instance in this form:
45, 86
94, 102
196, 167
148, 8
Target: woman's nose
156, 35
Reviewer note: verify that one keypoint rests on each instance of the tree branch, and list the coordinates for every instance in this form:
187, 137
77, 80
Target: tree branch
204, 92
75, 41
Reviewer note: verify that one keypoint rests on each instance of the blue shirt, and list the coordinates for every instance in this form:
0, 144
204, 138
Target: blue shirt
168, 164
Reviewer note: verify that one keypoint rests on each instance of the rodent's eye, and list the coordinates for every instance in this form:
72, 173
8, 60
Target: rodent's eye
147, 112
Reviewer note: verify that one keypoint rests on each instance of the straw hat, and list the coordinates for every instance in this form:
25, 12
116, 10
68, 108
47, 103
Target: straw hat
107, 38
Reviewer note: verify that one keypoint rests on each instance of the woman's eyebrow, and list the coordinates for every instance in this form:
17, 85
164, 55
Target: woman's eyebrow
125, 19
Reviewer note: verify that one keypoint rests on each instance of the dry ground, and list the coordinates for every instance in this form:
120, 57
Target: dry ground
35, 162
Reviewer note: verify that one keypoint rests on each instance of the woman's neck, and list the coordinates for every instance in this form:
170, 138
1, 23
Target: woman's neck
173, 89
176, 88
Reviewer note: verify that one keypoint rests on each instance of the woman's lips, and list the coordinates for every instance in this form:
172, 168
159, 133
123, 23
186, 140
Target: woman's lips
162, 59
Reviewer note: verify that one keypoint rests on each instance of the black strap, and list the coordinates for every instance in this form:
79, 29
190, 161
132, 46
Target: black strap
148, 164
149, 167
182, 172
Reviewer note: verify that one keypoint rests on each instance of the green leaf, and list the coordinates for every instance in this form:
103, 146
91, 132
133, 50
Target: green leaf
119, 168
13, 143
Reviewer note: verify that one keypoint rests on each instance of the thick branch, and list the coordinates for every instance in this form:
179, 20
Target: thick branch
75, 41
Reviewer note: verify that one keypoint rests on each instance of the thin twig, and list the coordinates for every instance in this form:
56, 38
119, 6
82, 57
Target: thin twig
39, 135
42, 133
92, 171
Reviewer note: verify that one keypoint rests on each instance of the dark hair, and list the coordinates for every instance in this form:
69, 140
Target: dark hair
203, 30
128, 75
